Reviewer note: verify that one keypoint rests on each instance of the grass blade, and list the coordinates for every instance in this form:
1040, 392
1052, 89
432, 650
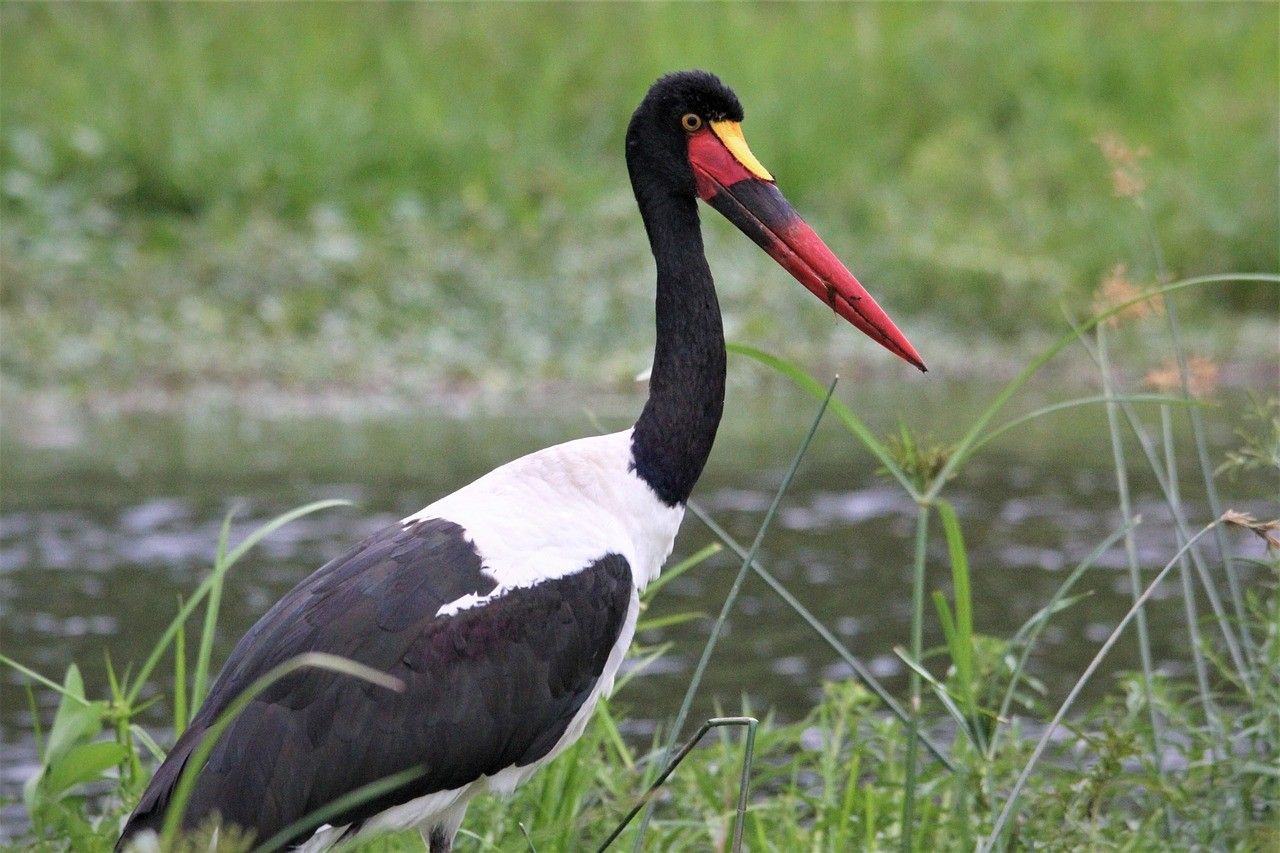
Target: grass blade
962, 649
947, 621
220, 566
37, 730
180, 716
148, 741
639, 665
614, 736
668, 620
940, 689
1199, 665
47, 682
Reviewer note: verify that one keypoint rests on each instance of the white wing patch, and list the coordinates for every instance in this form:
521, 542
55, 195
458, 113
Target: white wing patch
468, 601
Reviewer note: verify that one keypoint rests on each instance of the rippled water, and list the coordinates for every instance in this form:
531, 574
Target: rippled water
105, 523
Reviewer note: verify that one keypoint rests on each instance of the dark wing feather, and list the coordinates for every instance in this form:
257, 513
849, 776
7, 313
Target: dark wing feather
487, 688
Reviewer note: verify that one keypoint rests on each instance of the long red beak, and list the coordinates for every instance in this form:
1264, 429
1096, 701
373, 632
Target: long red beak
732, 181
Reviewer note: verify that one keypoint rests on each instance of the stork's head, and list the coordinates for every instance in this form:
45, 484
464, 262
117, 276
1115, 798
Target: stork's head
685, 139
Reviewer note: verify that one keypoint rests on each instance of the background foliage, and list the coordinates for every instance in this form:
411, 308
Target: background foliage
375, 195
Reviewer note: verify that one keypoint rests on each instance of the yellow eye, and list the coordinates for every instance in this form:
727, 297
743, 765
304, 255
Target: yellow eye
691, 122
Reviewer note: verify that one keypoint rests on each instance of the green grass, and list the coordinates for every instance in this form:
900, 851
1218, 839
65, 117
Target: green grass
833, 782
328, 196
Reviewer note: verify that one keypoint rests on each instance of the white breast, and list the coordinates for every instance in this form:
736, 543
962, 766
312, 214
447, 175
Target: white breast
556, 511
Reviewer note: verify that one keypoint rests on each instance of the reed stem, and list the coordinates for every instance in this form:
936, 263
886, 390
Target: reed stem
917, 644
1130, 546
1212, 718
1198, 436
1184, 530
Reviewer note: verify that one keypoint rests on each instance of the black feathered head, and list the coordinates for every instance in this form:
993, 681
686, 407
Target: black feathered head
685, 140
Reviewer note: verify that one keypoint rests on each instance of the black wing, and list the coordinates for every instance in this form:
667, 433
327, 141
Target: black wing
487, 688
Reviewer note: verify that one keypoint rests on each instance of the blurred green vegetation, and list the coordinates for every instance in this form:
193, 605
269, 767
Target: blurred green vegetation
376, 194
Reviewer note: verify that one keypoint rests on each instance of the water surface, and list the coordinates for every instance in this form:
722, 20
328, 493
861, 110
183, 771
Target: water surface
106, 522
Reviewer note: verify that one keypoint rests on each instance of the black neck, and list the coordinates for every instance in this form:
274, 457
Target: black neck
674, 434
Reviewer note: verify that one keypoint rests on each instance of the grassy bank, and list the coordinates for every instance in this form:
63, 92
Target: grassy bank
829, 783
382, 196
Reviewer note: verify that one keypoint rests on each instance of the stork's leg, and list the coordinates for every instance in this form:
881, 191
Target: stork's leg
439, 841
444, 826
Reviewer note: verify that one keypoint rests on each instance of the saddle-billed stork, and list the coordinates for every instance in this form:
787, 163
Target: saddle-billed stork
506, 607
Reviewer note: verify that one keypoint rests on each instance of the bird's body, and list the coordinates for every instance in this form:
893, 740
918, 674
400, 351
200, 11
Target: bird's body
506, 607
535, 568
